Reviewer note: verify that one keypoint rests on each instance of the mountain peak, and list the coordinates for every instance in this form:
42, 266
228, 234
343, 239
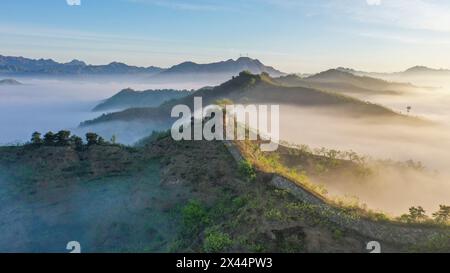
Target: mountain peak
425, 68
117, 64
76, 62
126, 90
229, 67
246, 59
246, 79
10, 82
331, 73
418, 68
346, 69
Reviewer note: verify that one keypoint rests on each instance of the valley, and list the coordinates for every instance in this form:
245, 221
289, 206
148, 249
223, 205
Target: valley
345, 172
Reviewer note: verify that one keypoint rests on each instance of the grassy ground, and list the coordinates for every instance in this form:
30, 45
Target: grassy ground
188, 196
108, 198
230, 212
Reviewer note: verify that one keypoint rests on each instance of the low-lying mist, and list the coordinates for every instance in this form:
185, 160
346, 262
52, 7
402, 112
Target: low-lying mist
43, 105
389, 189
52, 105
125, 132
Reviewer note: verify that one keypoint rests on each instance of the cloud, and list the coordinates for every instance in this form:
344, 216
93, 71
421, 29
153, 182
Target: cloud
73, 2
430, 15
183, 5
422, 39
373, 2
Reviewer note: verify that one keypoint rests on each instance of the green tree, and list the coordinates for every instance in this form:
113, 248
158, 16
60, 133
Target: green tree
416, 214
92, 139
77, 142
36, 138
442, 215
49, 138
62, 138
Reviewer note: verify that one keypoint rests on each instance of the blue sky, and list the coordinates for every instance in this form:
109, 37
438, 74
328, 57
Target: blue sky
292, 35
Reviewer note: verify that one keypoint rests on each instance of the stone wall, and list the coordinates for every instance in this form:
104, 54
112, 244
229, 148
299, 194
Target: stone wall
396, 233
383, 231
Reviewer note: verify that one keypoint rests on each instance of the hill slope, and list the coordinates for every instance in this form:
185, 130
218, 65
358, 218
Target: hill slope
340, 81
410, 74
10, 82
128, 98
214, 73
164, 196
251, 89
425, 71
229, 67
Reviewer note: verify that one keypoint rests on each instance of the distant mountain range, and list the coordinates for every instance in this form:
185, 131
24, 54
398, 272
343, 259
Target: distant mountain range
426, 70
187, 70
10, 82
128, 98
410, 72
333, 80
25, 66
345, 82
229, 68
248, 88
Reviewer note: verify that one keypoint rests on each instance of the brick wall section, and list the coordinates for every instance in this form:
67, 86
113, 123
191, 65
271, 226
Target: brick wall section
388, 232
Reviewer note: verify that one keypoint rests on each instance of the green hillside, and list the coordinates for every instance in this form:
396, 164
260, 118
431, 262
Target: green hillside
168, 196
129, 98
249, 89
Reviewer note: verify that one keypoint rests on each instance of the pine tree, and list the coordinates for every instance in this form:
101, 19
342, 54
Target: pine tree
62, 138
36, 138
77, 142
443, 215
49, 138
92, 139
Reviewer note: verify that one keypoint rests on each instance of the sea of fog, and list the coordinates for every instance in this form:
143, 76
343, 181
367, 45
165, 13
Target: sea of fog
52, 105
391, 190
43, 105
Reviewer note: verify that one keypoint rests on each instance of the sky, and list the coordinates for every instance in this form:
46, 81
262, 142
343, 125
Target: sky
301, 36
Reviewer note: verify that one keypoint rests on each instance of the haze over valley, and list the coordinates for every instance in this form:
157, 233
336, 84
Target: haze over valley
337, 109
386, 139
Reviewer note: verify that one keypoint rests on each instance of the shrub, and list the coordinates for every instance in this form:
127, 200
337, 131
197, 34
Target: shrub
216, 241
246, 170
194, 216
274, 214
435, 243
101, 141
